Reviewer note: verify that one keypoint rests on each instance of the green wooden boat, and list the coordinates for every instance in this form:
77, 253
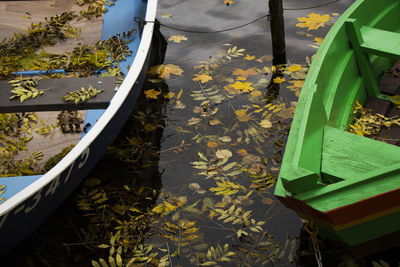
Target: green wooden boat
348, 184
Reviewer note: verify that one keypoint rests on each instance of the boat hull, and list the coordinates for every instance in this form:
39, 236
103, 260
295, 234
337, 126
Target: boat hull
32, 205
348, 184
23, 219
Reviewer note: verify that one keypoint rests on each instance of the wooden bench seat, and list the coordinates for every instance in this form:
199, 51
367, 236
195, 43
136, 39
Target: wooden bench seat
52, 98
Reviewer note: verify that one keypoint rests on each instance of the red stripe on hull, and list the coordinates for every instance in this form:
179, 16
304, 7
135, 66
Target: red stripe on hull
346, 214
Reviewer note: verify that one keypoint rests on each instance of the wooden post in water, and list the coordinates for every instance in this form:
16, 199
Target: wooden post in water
277, 31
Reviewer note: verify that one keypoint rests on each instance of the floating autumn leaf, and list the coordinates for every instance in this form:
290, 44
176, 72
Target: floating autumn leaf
242, 86
225, 139
203, 78
249, 57
230, 90
256, 93
267, 70
313, 21
228, 2
243, 74
267, 58
212, 144
193, 121
242, 152
179, 94
152, 93
166, 16
214, 121
318, 40
169, 95
197, 109
250, 158
267, 201
296, 85
293, 68
242, 115
177, 38
148, 127
266, 123
165, 71
279, 80
223, 153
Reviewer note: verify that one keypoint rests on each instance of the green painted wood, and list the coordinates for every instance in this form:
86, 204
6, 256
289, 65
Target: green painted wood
364, 232
55, 89
346, 155
306, 173
364, 64
380, 42
349, 169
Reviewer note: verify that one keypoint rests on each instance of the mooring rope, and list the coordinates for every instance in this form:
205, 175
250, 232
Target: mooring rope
141, 20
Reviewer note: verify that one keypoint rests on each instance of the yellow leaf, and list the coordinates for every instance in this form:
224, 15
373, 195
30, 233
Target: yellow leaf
256, 93
243, 86
296, 84
242, 115
266, 123
223, 153
267, 70
202, 77
242, 152
313, 21
318, 40
169, 95
193, 121
228, 2
293, 68
177, 38
166, 16
179, 94
148, 127
165, 71
243, 74
158, 209
249, 57
279, 80
230, 90
152, 93
212, 144
214, 121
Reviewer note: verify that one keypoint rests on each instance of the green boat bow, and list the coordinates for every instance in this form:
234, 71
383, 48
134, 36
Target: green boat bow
348, 184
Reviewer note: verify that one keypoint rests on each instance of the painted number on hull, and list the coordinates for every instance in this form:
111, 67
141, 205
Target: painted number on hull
36, 200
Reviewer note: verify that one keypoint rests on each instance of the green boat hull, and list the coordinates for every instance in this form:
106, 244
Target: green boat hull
348, 184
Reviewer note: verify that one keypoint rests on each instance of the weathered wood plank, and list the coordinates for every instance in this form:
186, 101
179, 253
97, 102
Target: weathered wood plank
52, 99
378, 105
16, 16
390, 83
348, 155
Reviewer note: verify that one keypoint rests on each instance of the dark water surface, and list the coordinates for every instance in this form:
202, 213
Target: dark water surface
151, 168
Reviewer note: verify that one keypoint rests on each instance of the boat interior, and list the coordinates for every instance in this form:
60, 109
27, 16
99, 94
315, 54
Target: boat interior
16, 17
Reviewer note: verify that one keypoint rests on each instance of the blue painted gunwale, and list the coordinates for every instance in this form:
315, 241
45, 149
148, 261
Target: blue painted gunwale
40, 195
